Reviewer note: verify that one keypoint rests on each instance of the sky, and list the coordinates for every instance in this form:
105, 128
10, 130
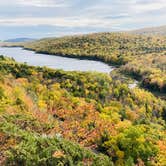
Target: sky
54, 18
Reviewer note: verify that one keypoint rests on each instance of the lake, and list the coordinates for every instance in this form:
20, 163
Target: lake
54, 61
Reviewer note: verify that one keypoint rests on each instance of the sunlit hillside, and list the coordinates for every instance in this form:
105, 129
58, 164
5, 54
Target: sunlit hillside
43, 110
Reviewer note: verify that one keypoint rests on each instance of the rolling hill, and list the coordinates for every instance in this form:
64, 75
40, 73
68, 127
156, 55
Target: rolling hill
19, 40
143, 56
53, 117
161, 30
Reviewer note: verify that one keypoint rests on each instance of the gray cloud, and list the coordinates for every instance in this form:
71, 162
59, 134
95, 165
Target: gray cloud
89, 15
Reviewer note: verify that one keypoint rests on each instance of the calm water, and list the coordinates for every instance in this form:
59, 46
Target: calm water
52, 61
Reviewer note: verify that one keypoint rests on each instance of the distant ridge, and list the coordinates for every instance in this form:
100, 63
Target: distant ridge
20, 40
161, 30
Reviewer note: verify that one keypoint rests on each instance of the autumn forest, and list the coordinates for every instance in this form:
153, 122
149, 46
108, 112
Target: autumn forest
55, 117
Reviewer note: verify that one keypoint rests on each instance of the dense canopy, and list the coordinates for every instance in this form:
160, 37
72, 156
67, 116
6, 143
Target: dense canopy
53, 117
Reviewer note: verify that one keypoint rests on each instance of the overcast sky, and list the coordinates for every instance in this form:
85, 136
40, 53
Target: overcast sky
47, 18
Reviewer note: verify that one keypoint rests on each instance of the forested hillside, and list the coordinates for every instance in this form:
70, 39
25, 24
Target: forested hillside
52, 117
144, 57
114, 48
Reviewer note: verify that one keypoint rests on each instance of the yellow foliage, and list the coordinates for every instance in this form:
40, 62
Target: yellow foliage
58, 154
120, 154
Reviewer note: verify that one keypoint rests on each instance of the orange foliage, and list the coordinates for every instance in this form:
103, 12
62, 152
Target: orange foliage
82, 124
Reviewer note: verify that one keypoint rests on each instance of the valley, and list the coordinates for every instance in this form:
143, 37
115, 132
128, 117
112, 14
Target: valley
83, 83
43, 110
96, 99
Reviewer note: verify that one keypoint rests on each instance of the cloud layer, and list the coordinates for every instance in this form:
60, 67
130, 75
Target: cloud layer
87, 16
